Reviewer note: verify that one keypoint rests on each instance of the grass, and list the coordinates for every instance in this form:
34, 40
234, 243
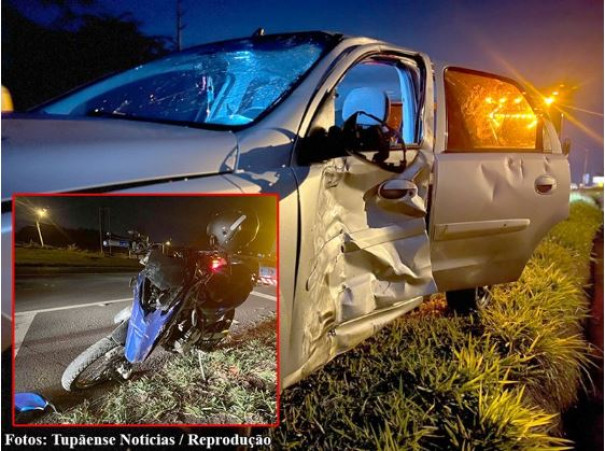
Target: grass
33, 256
497, 380
235, 384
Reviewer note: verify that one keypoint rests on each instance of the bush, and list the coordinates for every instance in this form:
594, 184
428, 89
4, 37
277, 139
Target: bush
498, 380
236, 384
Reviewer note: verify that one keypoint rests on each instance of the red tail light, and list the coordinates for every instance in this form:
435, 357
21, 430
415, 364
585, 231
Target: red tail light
217, 263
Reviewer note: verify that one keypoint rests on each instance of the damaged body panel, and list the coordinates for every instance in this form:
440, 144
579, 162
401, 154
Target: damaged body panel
364, 258
396, 179
491, 242
367, 261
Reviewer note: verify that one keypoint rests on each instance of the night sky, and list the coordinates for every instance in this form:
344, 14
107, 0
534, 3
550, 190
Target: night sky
180, 218
544, 43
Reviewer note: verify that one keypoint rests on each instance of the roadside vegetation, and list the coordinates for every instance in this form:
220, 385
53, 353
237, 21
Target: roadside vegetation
61, 257
235, 384
431, 380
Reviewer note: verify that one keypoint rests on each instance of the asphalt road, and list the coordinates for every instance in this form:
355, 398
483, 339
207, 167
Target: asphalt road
58, 315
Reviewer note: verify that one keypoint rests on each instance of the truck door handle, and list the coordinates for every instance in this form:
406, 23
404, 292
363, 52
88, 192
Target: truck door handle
545, 184
403, 196
397, 189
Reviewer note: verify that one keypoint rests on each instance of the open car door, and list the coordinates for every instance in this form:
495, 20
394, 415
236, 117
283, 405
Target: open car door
501, 180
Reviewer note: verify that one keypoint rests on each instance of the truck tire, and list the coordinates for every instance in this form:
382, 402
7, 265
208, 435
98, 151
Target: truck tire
464, 302
105, 353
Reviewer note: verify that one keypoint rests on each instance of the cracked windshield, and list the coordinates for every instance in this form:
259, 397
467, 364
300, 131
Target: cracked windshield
227, 84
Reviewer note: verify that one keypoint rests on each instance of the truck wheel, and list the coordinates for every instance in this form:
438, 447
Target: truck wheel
95, 365
466, 301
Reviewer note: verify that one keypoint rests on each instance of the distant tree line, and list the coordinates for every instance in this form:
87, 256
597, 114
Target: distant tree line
85, 239
41, 62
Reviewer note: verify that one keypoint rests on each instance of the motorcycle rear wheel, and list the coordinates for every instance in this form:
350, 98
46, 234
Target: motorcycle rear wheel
95, 365
216, 332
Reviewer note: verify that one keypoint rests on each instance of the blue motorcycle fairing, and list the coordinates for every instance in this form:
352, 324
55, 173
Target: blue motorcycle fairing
144, 329
25, 402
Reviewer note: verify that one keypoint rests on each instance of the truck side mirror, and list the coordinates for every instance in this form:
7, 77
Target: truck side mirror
321, 145
566, 146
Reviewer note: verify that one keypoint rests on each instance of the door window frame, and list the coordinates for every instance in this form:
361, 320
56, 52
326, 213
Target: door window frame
328, 84
540, 148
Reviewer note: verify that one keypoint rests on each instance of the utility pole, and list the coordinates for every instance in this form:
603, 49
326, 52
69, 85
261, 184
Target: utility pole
179, 25
585, 180
104, 219
100, 233
40, 234
40, 213
109, 228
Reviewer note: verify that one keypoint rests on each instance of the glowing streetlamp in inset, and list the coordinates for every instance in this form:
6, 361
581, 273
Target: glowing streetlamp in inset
40, 213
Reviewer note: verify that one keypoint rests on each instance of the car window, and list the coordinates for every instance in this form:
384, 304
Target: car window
397, 81
230, 83
488, 113
389, 78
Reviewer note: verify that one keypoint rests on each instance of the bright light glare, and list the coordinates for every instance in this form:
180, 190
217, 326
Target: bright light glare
217, 263
41, 212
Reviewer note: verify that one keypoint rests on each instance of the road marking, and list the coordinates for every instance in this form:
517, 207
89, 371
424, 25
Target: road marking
22, 323
113, 301
263, 295
68, 307
24, 319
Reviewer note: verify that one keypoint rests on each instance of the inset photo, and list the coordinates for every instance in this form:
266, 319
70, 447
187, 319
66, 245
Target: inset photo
151, 309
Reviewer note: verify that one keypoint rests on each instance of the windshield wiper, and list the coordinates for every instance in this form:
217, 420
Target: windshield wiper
96, 112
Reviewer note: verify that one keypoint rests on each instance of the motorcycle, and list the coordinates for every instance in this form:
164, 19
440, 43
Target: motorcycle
180, 302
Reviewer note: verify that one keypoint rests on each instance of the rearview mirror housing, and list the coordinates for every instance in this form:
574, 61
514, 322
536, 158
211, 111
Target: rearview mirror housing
321, 145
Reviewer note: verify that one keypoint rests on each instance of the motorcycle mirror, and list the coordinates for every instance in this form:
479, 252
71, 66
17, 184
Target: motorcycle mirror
25, 402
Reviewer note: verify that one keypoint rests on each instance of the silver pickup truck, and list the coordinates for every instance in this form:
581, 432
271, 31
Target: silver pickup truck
397, 177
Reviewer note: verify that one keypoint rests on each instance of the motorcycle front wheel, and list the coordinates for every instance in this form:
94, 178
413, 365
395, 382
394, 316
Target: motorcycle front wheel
95, 365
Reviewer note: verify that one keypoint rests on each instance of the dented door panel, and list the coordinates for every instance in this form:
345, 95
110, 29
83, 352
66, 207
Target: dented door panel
366, 260
489, 215
363, 259
367, 254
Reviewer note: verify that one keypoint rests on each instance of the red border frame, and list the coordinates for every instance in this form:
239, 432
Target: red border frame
164, 425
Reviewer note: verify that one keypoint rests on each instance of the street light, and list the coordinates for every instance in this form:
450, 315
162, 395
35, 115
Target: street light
557, 99
40, 213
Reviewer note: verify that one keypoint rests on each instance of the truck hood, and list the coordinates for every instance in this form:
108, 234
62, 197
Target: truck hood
58, 154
